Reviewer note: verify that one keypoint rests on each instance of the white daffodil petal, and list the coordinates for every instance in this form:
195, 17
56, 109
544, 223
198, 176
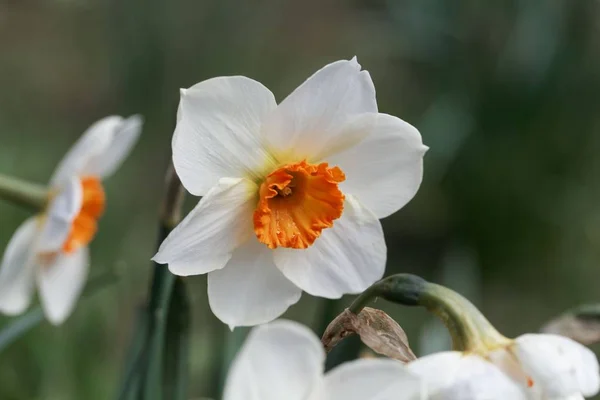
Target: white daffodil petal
573, 397
207, 236
280, 360
346, 258
17, 269
250, 290
65, 206
437, 370
303, 122
60, 284
385, 169
95, 140
374, 379
218, 132
454, 376
558, 366
124, 136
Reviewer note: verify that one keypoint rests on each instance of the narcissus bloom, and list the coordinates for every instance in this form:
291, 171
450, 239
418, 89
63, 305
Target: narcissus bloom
292, 193
51, 248
285, 360
530, 367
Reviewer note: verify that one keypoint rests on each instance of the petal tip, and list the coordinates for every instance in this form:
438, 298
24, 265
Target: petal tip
10, 310
135, 119
173, 269
56, 318
159, 257
55, 321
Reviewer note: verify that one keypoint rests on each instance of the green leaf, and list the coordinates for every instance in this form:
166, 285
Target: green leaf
135, 359
149, 379
20, 326
160, 297
177, 345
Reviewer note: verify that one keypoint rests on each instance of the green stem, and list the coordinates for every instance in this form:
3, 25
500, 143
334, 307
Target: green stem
218, 364
401, 288
145, 378
233, 343
23, 193
162, 287
130, 386
469, 329
176, 364
365, 298
160, 293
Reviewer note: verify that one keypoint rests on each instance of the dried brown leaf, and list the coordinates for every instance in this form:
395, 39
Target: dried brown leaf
581, 325
376, 329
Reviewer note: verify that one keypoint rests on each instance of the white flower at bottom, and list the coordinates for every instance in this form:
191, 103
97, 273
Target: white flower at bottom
530, 367
285, 360
51, 248
292, 192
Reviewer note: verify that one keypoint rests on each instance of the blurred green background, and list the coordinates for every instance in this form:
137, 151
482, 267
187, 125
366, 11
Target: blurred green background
505, 93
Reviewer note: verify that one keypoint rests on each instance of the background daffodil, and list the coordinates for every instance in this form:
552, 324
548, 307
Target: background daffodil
51, 248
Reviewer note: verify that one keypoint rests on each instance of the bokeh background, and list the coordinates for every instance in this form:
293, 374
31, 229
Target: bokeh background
505, 93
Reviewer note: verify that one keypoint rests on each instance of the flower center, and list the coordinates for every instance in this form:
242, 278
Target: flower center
298, 201
85, 224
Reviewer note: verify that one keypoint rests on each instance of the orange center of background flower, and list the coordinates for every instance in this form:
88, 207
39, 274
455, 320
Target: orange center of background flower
85, 225
298, 201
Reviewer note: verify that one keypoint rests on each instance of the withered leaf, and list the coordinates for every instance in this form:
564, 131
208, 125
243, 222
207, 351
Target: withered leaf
376, 329
581, 324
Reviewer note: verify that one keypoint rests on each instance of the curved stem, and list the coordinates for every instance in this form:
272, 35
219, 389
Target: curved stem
364, 298
469, 329
400, 288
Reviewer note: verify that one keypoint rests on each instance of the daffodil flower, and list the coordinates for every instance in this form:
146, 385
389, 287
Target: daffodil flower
292, 193
530, 367
51, 249
285, 360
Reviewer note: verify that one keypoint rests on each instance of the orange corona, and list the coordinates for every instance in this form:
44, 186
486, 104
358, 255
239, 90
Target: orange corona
298, 201
84, 226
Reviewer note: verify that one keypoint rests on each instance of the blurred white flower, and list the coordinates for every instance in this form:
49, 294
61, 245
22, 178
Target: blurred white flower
292, 193
530, 367
51, 248
285, 360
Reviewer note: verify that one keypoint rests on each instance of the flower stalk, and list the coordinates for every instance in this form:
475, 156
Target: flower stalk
23, 193
161, 291
153, 375
469, 329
